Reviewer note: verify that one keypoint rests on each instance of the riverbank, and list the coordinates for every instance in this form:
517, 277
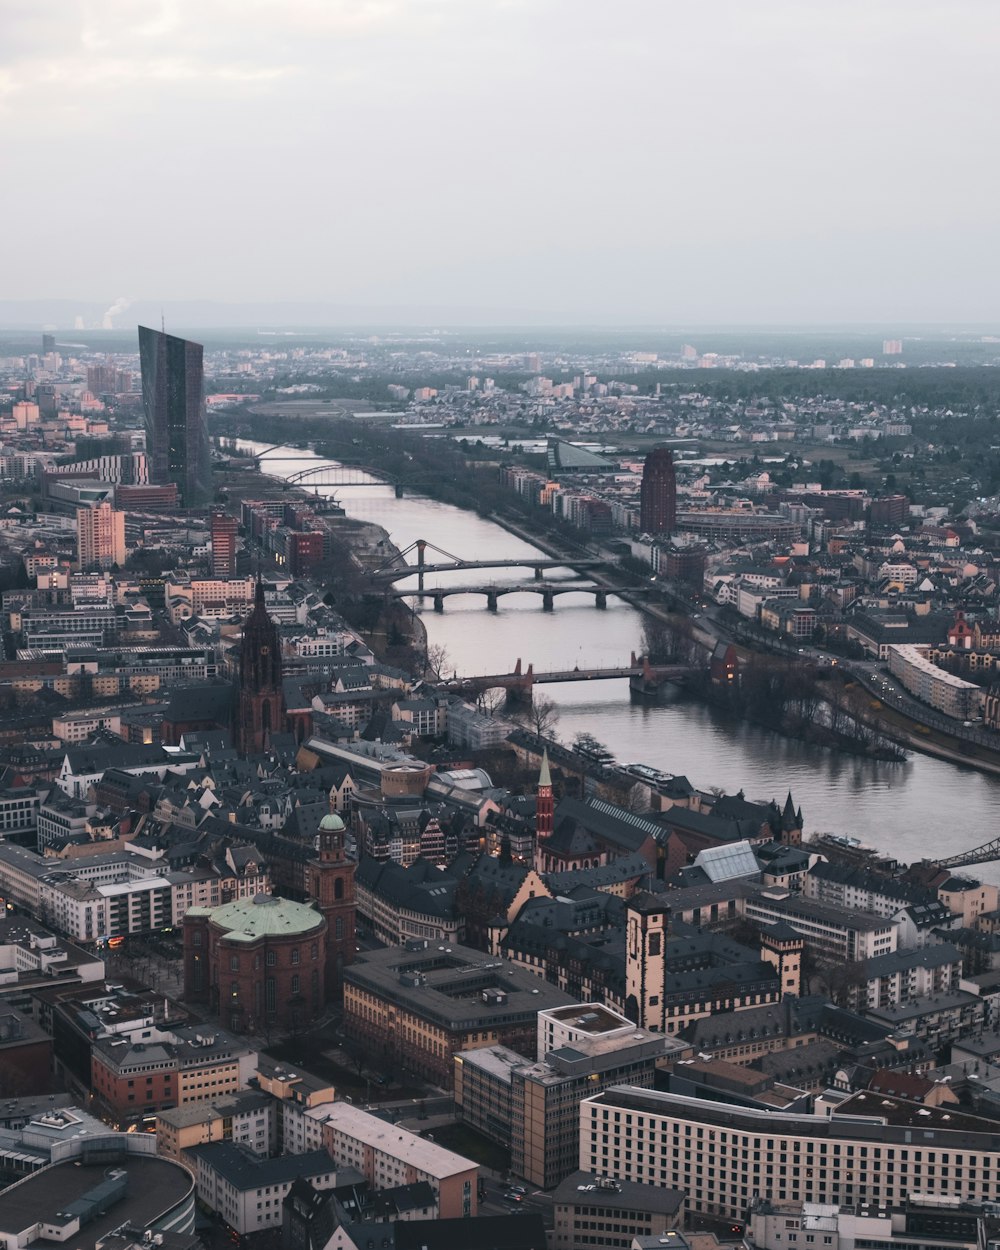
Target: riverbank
857, 736
896, 807
395, 633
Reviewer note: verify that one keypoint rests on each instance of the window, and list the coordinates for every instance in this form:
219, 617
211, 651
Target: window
270, 996
295, 984
271, 959
295, 954
338, 927
314, 951
234, 963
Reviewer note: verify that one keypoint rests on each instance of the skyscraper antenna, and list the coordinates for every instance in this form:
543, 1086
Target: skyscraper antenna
163, 322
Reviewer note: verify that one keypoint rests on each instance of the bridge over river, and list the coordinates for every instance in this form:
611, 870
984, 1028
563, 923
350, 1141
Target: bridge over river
493, 592
643, 677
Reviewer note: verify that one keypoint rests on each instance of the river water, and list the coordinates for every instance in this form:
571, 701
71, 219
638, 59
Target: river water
920, 808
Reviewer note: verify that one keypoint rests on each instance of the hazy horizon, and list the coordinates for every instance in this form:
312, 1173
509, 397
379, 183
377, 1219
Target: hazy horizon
553, 162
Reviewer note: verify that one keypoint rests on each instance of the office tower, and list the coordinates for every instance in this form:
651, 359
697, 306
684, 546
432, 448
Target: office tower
892, 347
176, 434
48, 343
47, 400
107, 380
658, 494
261, 702
224, 529
100, 537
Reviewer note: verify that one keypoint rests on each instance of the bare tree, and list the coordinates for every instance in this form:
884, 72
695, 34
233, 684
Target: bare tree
658, 639
490, 701
437, 660
587, 744
543, 716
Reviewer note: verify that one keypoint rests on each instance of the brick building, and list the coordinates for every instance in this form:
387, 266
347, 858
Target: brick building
137, 1074
257, 963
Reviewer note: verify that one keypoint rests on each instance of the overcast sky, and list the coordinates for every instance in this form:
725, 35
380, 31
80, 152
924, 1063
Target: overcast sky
602, 160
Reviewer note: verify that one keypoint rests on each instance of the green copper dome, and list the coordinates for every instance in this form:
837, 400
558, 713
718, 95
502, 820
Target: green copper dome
331, 824
264, 915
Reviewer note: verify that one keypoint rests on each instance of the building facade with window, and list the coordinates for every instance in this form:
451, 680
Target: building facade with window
875, 1148
257, 962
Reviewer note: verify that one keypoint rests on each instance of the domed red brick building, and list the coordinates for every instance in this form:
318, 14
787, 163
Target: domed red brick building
257, 963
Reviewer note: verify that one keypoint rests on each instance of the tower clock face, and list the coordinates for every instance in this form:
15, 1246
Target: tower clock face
264, 650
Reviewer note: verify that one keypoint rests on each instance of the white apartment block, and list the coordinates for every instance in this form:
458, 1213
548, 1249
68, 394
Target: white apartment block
78, 726
872, 1148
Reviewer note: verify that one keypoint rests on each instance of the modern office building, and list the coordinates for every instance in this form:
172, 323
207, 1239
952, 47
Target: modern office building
658, 493
172, 396
417, 1007
534, 1105
593, 1211
224, 529
100, 537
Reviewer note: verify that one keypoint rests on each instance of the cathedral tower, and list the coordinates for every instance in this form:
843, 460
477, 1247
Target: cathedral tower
330, 881
261, 709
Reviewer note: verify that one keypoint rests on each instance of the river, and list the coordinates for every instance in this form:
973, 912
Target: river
917, 809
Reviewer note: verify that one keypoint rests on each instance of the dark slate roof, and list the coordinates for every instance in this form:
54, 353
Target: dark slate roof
493, 875
857, 878
99, 756
417, 1196
304, 819
587, 910
569, 838
624, 868
734, 807
487, 1232
680, 820
579, 1188
789, 1018
245, 1171
603, 957
420, 888
199, 701
902, 961
615, 825
801, 1065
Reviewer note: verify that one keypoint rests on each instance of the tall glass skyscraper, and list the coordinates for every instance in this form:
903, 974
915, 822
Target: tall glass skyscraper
658, 493
176, 433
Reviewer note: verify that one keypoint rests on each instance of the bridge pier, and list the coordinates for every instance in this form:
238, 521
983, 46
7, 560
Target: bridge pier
421, 561
548, 601
439, 603
519, 690
539, 574
492, 600
601, 599
399, 490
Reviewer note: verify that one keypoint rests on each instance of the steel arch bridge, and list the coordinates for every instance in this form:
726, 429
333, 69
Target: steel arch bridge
343, 475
